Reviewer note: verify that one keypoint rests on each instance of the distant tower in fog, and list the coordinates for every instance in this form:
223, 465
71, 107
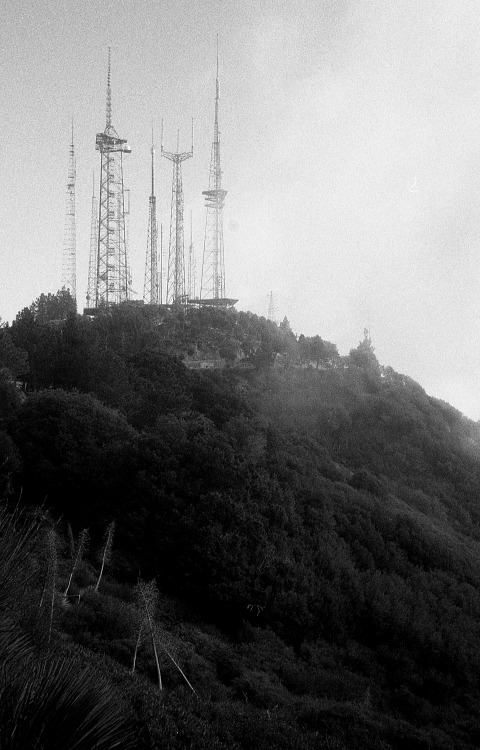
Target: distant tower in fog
152, 288
212, 284
272, 312
192, 267
69, 256
213, 265
176, 292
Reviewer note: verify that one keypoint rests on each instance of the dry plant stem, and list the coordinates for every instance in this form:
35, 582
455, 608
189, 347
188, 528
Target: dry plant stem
137, 646
170, 655
52, 539
80, 550
154, 645
148, 594
45, 584
106, 550
71, 541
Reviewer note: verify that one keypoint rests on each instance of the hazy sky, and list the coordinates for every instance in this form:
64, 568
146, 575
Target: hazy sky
350, 135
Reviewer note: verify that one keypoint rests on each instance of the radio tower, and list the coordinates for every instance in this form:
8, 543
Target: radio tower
212, 288
92, 261
152, 290
112, 283
191, 282
176, 251
69, 257
272, 310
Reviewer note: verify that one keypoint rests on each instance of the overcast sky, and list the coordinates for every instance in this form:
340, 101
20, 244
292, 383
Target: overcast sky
350, 134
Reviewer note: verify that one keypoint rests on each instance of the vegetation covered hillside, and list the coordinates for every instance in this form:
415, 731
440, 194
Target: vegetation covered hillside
283, 552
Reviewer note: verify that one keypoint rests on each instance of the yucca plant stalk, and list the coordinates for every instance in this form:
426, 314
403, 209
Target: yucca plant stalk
137, 646
148, 596
147, 599
71, 541
50, 584
107, 551
175, 662
81, 546
53, 583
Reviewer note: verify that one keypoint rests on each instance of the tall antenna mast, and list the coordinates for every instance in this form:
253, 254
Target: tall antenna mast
108, 124
175, 294
191, 265
92, 263
272, 311
112, 275
69, 256
160, 277
212, 288
151, 288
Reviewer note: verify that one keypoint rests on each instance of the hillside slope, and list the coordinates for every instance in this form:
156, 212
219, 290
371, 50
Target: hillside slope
311, 521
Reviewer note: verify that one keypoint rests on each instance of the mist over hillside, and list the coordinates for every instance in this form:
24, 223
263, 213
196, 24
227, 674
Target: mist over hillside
294, 560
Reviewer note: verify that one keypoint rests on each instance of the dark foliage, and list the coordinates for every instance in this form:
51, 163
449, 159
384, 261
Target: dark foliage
45, 701
311, 522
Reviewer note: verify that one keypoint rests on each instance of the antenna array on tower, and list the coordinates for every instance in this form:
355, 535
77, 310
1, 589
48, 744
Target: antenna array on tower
112, 275
175, 293
92, 263
152, 288
109, 280
69, 257
272, 310
212, 289
192, 268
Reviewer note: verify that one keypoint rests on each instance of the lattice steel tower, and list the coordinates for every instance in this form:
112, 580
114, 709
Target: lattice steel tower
152, 288
176, 294
92, 262
112, 282
272, 310
192, 269
213, 265
69, 256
